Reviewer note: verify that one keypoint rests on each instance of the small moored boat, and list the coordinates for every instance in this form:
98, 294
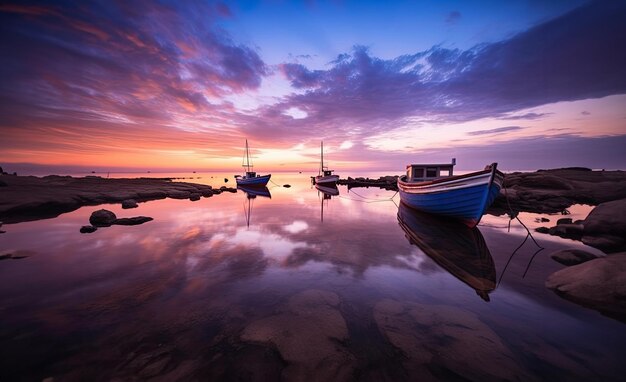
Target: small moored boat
432, 188
325, 176
250, 178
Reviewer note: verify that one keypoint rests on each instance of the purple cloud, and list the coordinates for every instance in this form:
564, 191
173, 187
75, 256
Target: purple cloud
495, 131
139, 60
579, 55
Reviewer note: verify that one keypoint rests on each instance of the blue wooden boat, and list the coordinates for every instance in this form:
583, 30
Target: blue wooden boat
458, 249
433, 189
251, 178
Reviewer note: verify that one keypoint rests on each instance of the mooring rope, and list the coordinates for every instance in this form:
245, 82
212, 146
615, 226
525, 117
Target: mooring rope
514, 215
366, 199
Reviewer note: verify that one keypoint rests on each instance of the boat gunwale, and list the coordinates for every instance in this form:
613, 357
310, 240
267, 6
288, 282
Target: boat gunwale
445, 179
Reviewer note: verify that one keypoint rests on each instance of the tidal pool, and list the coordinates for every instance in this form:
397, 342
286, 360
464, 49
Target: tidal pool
301, 285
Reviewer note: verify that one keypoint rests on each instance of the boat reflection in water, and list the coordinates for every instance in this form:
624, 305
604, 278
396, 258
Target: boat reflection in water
327, 191
457, 248
251, 193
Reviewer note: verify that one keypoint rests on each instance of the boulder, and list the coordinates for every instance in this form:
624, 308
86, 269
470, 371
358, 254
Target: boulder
286, 185
194, 197
572, 256
179, 194
309, 332
102, 218
605, 227
88, 229
564, 221
598, 284
129, 203
132, 221
569, 231
545, 182
542, 229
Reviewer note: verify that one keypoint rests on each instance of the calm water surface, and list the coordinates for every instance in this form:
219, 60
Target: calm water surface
299, 286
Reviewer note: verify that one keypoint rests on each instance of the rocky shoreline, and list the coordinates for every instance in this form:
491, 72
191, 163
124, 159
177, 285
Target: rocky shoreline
27, 198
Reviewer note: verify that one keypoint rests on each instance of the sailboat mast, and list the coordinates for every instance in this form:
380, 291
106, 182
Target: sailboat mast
247, 157
322, 159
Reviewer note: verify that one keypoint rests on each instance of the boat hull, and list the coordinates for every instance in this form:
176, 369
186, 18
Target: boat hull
329, 179
463, 197
255, 181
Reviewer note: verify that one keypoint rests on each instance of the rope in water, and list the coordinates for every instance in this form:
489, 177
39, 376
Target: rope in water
514, 215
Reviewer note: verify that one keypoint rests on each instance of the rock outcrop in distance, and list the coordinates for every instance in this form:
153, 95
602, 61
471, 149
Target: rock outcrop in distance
27, 198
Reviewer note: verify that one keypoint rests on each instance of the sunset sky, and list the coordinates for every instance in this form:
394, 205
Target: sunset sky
180, 85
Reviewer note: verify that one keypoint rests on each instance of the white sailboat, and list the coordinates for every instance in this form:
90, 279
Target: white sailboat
325, 176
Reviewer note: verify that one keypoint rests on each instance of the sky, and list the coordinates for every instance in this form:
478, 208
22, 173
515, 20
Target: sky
180, 85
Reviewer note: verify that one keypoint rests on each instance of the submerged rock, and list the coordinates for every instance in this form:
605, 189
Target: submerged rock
439, 337
132, 221
542, 229
102, 218
308, 333
572, 256
194, 197
564, 221
599, 284
88, 229
129, 203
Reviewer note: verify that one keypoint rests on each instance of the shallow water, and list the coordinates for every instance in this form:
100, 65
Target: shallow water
296, 287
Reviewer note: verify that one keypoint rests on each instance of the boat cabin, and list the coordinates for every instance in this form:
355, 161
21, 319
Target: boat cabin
250, 174
422, 172
327, 172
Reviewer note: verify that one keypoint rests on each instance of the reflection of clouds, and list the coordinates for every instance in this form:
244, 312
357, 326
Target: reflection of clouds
271, 244
296, 226
414, 260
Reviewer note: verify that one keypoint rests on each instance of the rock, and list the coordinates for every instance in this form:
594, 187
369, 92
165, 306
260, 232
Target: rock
605, 227
569, 231
194, 197
439, 337
132, 221
309, 334
102, 218
3, 183
179, 194
225, 180
3, 231
564, 221
88, 229
599, 284
287, 185
129, 203
545, 220
572, 256
542, 229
